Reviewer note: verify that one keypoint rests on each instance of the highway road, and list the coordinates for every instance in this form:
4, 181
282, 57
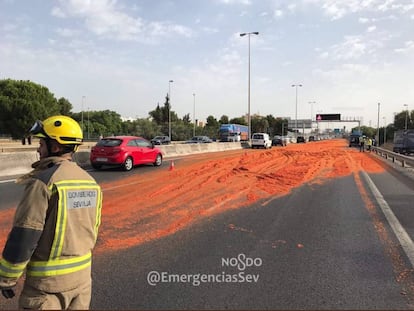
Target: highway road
339, 236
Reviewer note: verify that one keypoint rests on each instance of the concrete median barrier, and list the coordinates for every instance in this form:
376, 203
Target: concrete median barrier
82, 157
186, 149
16, 163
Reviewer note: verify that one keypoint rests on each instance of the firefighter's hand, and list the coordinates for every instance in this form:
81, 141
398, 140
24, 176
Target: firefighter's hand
6, 287
8, 293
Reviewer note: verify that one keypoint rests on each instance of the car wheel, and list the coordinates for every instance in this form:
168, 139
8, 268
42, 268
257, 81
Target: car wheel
158, 160
96, 166
128, 164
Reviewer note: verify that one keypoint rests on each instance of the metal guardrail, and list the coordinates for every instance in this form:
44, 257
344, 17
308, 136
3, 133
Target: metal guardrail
405, 161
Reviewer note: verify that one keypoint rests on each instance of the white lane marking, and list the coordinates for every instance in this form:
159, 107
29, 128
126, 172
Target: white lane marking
402, 235
6, 181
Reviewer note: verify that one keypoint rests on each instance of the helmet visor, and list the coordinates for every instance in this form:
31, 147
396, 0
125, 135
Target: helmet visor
38, 130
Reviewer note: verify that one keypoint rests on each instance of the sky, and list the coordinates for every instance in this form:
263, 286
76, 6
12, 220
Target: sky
355, 58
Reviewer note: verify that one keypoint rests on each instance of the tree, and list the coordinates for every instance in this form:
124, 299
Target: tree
399, 120
212, 127
187, 119
161, 116
272, 125
259, 125
111, 122
167, 109
145, 128
182, 130
65, 107
158, 115
366, 130
277, 126
22, 103
239, 120
224, 119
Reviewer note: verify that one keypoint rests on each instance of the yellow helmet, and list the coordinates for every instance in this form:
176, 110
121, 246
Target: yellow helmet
63, 129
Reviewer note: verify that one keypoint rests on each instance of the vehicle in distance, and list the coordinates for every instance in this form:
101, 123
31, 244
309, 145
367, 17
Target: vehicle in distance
300, 139
233, 132
311, 138
404, 142
199, 140
354, 139
278, 140
124, 151
161, 140
261, 140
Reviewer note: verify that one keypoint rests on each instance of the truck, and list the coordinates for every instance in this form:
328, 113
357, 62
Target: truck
403, 141
233, 133
354, 138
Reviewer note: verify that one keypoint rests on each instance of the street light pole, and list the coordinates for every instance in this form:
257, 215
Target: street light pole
296, 109
378, 137
169, 109
83, 97
194, 120
406, 116
248, 92
88, 123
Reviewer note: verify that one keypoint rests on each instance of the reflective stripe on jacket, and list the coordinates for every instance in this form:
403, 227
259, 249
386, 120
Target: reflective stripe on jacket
59, 266
11, 270
74, 194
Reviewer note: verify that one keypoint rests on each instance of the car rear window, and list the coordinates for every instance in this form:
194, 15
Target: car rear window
109, 142
257, 136
142, 143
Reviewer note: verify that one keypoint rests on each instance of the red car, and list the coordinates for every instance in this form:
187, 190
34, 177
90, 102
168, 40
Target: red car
126, 151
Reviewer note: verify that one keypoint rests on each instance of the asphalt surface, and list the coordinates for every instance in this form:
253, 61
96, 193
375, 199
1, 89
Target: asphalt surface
318, 249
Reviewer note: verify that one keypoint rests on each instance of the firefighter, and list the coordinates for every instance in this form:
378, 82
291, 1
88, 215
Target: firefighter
369, 144
55, 225
362, 143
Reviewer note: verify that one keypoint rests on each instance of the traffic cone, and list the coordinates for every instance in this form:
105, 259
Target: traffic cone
171, 166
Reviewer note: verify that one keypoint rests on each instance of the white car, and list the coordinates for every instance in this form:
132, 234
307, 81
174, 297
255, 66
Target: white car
261, 140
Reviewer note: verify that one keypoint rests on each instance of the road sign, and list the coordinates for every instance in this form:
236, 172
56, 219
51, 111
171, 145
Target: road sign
301, 123
329, 117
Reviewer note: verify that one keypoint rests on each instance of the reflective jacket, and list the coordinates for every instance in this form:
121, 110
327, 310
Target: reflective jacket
55, 227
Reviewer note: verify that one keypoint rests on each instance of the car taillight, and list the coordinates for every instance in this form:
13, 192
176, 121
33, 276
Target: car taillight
117, 150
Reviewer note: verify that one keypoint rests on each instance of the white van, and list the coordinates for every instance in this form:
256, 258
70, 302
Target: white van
261, 140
